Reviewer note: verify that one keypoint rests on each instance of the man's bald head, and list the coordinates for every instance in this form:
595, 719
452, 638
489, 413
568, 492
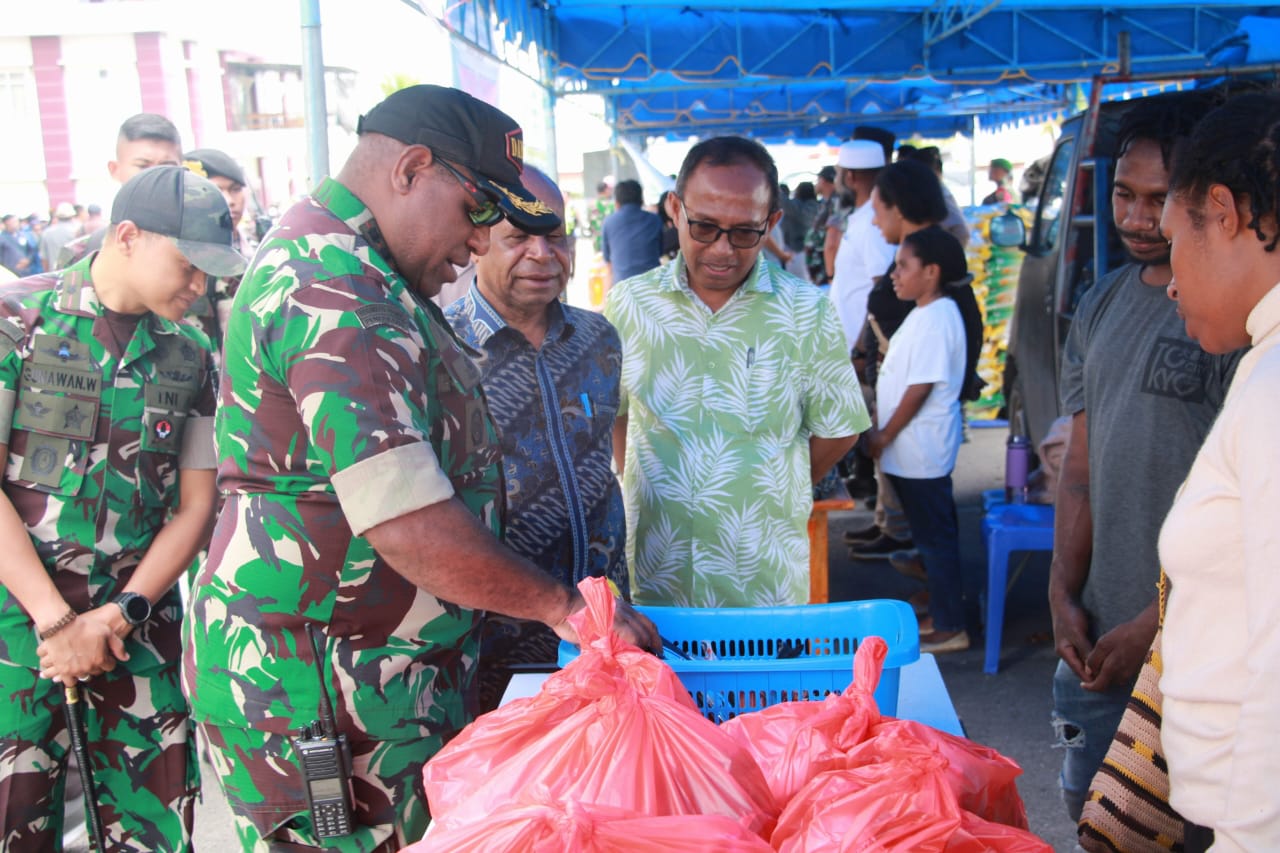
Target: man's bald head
547, 191
522, 272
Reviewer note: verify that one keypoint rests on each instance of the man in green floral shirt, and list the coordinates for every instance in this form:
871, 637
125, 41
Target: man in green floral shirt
737, 395
362, 482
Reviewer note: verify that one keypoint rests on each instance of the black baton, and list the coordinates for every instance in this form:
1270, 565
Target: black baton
74, 710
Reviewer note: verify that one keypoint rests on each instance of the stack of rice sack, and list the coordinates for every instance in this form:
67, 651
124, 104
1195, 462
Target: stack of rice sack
613, 756
995, 272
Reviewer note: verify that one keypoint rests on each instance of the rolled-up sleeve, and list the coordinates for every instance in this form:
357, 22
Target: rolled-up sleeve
390, 485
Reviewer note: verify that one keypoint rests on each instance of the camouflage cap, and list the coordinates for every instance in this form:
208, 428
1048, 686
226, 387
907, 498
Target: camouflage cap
176, 203
465, 131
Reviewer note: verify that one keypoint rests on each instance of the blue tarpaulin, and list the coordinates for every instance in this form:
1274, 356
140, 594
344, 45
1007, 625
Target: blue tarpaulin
790, 69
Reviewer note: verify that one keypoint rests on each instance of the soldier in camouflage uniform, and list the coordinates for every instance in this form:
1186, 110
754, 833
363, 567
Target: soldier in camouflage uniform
362, 484
144, 140
106, 428
212, 310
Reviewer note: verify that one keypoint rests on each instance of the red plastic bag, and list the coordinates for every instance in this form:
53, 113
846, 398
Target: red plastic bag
976, 835
903, 806
546, 826
614, 728
795, 741
983, 780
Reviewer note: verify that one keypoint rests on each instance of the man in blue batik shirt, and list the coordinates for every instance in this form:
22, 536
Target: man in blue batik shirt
550, 374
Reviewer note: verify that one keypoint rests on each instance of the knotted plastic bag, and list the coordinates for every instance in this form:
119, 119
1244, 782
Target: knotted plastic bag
795, 741
613, 728
543, 825
983, 780
903, 804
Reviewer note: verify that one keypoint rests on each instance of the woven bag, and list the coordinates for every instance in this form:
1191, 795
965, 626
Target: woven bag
1128, 810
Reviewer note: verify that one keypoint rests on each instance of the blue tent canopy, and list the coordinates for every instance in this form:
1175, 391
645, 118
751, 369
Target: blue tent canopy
786, 69
828, 111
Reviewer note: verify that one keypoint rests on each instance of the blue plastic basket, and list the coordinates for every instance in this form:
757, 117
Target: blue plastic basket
743, 659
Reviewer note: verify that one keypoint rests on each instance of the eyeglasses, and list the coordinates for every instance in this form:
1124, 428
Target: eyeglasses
487, 211
709, 232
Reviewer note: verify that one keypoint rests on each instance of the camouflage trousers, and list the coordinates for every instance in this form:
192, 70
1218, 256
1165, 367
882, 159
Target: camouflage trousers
262, 779
140, 748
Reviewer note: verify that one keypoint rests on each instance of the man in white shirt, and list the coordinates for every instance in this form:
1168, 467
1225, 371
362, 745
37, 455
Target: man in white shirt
863, 252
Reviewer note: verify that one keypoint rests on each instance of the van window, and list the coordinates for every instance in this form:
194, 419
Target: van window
1052, 192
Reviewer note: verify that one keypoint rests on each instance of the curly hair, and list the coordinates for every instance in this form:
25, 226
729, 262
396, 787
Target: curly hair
1238, 146
1165, 120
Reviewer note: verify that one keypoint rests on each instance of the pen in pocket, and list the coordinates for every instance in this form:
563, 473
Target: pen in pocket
586, 405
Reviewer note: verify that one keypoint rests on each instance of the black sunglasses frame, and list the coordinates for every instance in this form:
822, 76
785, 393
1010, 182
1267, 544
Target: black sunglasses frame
488, 212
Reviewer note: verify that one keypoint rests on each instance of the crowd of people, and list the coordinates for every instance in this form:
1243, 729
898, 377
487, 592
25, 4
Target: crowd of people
325, 450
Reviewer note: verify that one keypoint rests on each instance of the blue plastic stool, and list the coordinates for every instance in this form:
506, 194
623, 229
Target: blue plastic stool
1007, 528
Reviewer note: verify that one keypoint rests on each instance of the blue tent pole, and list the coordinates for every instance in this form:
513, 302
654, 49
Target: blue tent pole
316, 113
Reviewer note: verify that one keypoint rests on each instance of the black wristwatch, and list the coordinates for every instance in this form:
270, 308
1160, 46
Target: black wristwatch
136, 608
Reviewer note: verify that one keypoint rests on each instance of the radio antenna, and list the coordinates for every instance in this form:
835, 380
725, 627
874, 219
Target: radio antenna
327, 722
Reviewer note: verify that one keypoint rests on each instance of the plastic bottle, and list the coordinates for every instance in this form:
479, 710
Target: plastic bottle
1017, 456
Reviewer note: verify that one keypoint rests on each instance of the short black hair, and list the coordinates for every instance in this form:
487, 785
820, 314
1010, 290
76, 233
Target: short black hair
931, 156
628, 192
933, 245
729, 151
805, 192
886, 138
1163, 119
914, 190
1238, 146
149, 126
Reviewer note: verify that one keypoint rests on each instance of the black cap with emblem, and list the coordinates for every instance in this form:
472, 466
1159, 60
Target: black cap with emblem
468, 132
186, 208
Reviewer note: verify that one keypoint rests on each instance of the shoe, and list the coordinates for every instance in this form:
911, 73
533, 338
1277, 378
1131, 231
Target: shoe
908, 563
861, 537
942, 642
879, 548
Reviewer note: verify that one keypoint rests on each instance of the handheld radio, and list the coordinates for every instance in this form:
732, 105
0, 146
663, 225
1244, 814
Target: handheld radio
326, 763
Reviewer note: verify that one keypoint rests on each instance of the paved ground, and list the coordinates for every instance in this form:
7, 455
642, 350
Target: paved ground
1008, 711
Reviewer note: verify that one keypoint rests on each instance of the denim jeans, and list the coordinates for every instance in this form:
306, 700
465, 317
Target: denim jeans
1084, 722
931, 513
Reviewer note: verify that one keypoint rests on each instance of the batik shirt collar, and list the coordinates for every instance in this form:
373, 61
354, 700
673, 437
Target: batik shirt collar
485, 321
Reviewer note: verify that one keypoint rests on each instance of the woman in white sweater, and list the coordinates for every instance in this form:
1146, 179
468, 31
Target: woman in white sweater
1220, 544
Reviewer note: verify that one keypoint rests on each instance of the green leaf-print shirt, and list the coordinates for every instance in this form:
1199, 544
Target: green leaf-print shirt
720, 408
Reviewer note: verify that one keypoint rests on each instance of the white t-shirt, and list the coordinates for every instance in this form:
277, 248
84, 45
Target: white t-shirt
863, 255
928, 348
